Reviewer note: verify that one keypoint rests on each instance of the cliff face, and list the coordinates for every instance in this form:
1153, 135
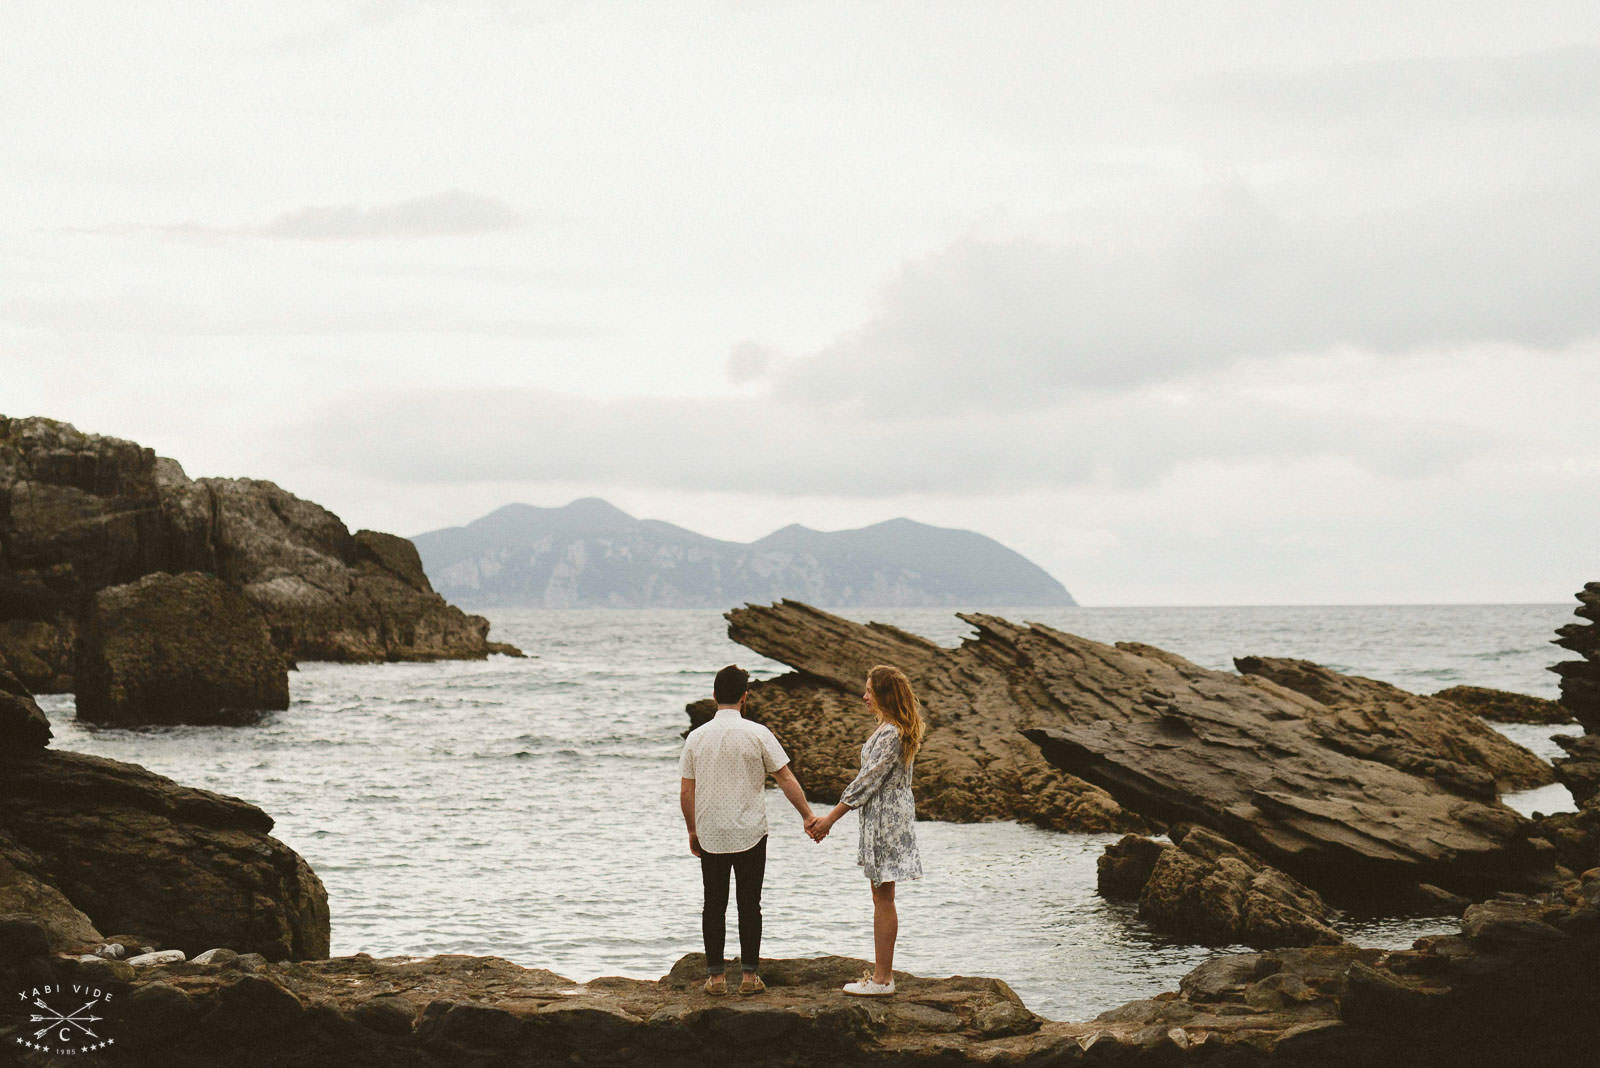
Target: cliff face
592, 555
80, 513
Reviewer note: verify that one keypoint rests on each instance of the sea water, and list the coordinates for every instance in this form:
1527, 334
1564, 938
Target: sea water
529, 808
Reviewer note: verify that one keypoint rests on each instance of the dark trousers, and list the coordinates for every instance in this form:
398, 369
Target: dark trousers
748, 868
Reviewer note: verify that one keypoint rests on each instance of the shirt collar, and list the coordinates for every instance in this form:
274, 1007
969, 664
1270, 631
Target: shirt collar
728, 713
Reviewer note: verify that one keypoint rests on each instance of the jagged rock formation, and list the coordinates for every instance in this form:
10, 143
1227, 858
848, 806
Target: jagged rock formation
591, 554
974, 765
1172, 742
89, 845
1517, 986
1579, 770
1203, 888
176, 649
81, 512
1580, 679
1577, 835
1502, 706
1424, 735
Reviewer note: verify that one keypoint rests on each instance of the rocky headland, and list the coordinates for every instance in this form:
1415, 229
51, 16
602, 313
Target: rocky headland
82, 516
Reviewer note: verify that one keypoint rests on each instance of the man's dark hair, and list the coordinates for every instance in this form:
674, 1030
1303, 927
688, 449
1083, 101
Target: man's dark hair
732, 682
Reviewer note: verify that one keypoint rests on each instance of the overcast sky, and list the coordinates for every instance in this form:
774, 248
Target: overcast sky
1191, 303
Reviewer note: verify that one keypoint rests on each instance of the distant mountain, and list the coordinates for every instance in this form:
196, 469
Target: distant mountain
591, 554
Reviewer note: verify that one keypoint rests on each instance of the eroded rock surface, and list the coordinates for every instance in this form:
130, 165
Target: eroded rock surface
974, 764
1518, 985
177, 649
1263, 765
1580, 679
1503, 706
480, 1010
23, 724
81, 512
1203, 888
1429, 736
91, 845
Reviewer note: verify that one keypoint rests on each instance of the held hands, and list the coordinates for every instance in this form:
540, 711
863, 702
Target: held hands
817, 827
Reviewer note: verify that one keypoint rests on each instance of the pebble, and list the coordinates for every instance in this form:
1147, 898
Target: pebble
165, 956
114, 951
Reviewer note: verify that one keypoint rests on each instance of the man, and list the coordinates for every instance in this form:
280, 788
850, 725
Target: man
725, 765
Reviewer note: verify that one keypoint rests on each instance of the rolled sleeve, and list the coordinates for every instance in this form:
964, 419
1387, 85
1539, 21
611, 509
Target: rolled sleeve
686, 762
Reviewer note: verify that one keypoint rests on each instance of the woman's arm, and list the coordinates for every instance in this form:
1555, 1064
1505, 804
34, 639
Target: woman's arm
882, 756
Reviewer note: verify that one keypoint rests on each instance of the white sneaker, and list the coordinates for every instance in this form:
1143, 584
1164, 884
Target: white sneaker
866, 988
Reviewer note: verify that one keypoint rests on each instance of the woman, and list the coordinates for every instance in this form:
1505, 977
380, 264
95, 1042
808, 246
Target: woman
882, 791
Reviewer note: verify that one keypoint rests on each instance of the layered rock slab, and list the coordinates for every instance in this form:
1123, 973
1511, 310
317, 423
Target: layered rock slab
1167, 739
1580, 679
1429, 736
974, 764
1504, 706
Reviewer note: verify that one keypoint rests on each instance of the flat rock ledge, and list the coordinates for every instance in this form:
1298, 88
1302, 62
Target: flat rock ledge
1518, 985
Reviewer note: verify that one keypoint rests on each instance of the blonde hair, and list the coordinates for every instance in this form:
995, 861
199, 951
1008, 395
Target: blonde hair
891, 693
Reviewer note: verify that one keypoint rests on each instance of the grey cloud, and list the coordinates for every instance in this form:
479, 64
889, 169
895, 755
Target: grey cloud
1023, 323
157, 318
750, 362
441, 214
1561, 83
453, 213
522, 435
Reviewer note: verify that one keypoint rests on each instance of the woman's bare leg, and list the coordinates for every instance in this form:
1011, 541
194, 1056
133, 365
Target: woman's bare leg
885, 926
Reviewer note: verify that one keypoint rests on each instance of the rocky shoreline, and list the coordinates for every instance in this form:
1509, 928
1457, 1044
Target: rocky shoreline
219, 954
1518, 985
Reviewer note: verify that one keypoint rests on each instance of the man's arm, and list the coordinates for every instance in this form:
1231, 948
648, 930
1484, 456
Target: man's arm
792, 790
686, 803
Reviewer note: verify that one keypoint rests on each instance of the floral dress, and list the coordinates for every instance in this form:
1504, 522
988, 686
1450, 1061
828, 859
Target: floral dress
888, 813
